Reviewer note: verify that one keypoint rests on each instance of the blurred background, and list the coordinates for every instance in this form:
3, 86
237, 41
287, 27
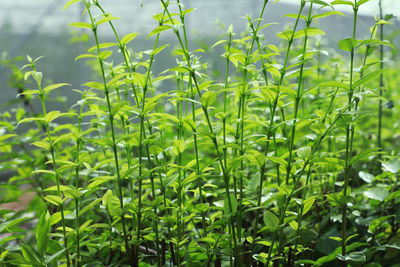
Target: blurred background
40, 28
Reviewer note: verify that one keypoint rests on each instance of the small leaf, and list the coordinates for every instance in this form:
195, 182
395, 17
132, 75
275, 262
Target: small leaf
347, 44
81, 25
392, 166
307, 204
366, 177
271, 221
56, 200
106, 18
158, 30
377, 193
208, 98
342, 2
129, 37
54, 86
233, 205
70, 2
42, 232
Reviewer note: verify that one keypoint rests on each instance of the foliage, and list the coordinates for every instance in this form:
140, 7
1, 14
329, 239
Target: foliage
291, 159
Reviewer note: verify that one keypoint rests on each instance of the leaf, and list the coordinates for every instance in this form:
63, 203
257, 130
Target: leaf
218, 43
342, 2
52, 115
347, 44
81, 25
8, 224
256, 157
105, 54
377, 193
368, 78
30, 120
307, 204
366, 177
271, 221
54, 86
392, 166
70, 2
278, 160
326, 14
158, 50
106, 18
29, 92
158, 30
41, 144
42, 232
332, 84
361, 2
304, 152
129, 37
208, 98
85, 56
309, 32
365, 154
233, 205
356, 256
56, 200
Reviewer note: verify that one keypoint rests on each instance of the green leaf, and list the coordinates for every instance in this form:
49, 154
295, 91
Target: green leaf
271, 221
361, 2
326, 14
54, 86
81, 25
342, 2
8, 224
356, 256
392, 166
30, 120
42, 233
366, 177
159, 49
129, 37
233, 205
309, 32
332, 84
56, 200
29, 92
106, 18
365, 154
52, 115
159, 29
85, 56
218, 43
208, 98
41, 144
370, 77
70, 2
307, 204
347, 44
377, 193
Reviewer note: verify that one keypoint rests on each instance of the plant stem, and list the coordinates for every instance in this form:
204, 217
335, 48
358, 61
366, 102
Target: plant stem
270, 130
213, 136
381, 82
349, 140
54, 162
114, 143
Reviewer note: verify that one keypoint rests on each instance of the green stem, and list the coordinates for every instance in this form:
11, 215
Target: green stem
53, 158
349, 141
114, 143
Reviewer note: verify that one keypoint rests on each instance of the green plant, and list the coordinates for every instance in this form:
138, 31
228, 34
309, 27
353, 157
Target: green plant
269, 165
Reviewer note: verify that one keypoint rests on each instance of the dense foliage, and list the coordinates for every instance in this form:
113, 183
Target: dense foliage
290, 159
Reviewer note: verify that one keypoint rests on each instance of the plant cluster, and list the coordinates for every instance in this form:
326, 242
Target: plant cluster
290, 159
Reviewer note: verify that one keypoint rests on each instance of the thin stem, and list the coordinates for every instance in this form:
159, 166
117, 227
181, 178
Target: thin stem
114, 143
